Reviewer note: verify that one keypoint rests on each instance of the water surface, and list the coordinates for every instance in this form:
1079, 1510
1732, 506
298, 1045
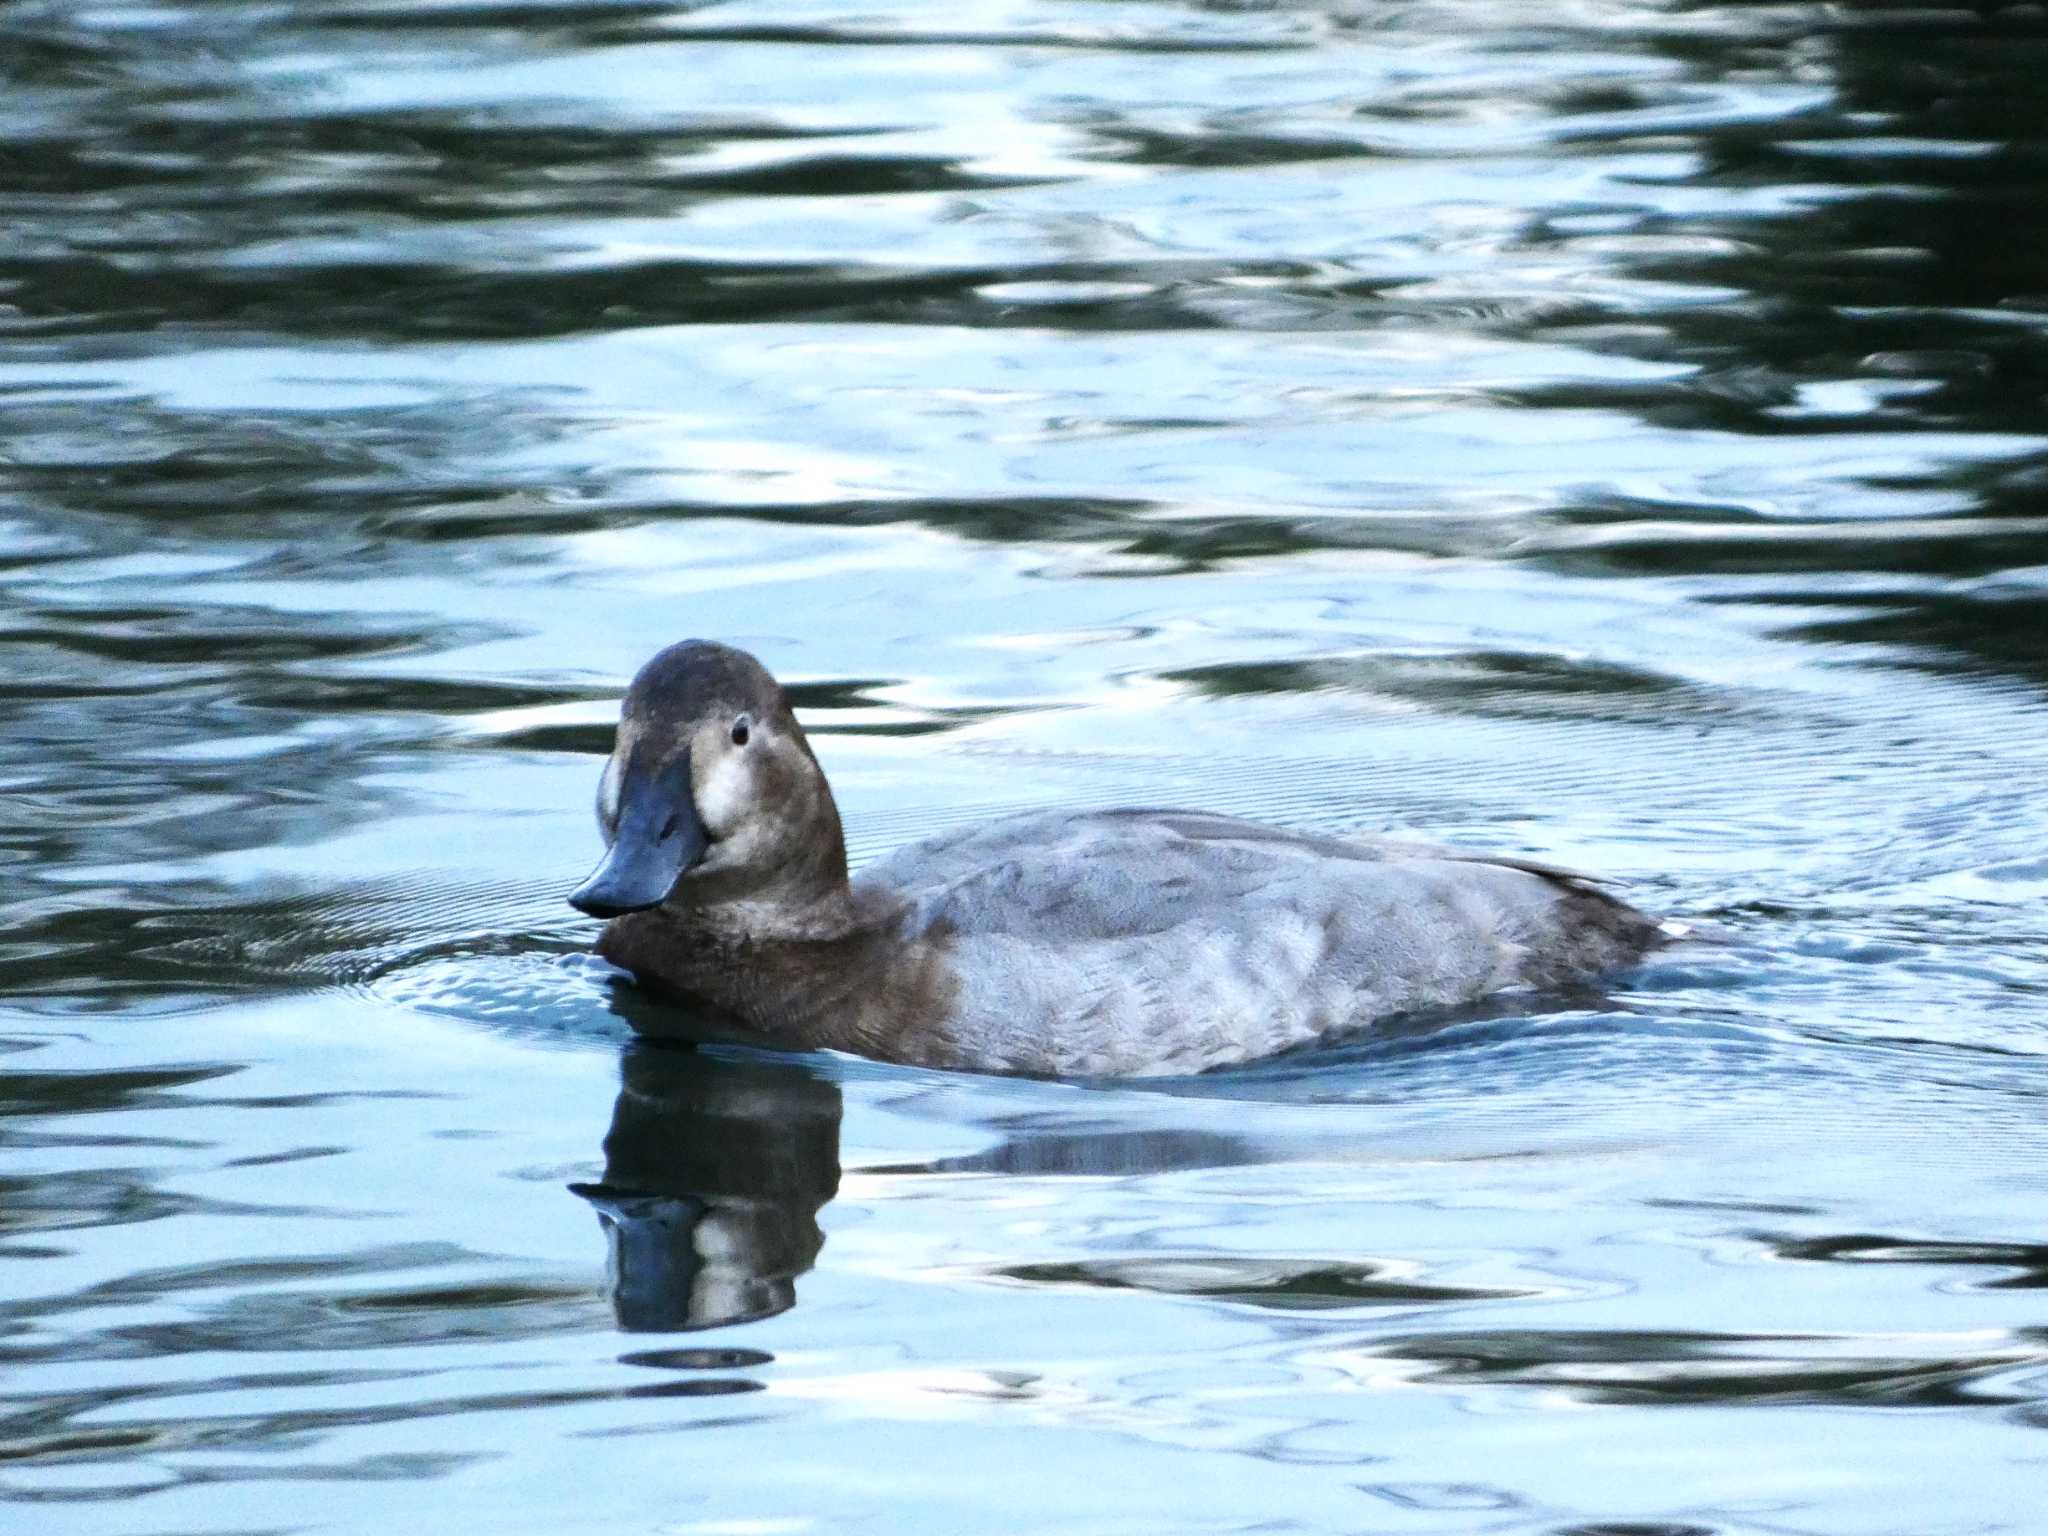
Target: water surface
1610, 432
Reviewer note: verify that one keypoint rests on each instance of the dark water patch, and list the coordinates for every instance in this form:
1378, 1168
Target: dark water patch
1182, 538
170, 640
583, 740
1751, 1207
294, 1155
448, 699
1285, 1285
159, 1283
95, 1092
259, 1322
1119, 40
702, 1386
849, 176
1679, 1369
245, 1432
95, 1198
1936, 548
2026, 1263
1022, 519
1516, 685
1217, 142
1993, 632
332, 478
414, 301
436, 166
1019, 519
696, 1359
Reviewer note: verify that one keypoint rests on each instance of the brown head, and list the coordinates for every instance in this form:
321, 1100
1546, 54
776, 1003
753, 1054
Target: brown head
711, 793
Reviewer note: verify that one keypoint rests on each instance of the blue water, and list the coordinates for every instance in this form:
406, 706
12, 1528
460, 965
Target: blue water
1610, 432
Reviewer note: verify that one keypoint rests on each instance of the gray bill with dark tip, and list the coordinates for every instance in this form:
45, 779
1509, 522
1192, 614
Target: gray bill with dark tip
659, 836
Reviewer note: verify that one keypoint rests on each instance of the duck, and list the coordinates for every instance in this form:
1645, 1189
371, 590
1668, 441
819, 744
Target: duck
1058, 943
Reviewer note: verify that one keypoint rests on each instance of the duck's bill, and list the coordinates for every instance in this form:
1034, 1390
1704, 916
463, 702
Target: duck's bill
659, 837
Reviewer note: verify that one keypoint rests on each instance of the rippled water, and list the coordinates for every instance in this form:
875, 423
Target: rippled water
1615, 432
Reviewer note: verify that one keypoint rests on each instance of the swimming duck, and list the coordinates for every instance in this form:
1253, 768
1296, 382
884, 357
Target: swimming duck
1115, 943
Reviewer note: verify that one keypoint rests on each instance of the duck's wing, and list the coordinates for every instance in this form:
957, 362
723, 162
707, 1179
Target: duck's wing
1201, 826
962, 852
1084, 875
1124, 832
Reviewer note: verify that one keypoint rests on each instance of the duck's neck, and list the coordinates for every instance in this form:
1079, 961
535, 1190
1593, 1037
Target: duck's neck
796, 967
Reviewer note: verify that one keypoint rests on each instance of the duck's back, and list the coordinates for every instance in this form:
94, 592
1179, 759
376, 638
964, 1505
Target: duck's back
1134, 941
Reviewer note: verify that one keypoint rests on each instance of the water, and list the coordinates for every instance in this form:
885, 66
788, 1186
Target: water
1612, 432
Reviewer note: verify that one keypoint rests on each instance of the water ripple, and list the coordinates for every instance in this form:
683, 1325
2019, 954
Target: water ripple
1607, 432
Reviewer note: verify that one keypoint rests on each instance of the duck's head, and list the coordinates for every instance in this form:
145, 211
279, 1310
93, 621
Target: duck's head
711, 793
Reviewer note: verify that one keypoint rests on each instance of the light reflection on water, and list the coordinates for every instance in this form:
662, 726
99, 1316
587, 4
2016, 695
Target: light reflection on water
1609, 432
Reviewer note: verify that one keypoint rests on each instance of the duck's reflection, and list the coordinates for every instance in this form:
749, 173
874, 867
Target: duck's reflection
715, 1170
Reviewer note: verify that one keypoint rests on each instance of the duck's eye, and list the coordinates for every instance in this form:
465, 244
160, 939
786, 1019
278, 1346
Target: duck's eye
741, 729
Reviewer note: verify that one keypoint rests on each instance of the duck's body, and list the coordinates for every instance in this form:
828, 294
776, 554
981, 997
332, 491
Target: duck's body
1096, 942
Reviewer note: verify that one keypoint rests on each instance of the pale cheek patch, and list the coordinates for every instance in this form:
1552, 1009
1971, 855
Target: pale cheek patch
608, 798
614, 774
725, 795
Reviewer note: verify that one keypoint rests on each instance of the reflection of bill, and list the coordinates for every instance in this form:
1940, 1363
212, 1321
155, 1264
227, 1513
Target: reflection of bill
715, 1170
